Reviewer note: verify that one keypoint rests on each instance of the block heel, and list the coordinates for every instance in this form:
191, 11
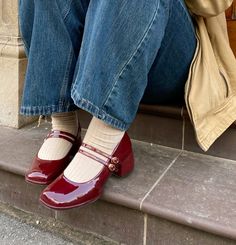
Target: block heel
126, 166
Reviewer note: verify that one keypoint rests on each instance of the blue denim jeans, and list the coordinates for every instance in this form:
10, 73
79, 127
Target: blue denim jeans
105, 56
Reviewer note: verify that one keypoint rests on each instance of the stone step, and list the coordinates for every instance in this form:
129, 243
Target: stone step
172, 197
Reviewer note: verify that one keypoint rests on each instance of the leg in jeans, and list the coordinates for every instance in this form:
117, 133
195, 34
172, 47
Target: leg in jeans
126, 46
169, 72
134, 50
52, 33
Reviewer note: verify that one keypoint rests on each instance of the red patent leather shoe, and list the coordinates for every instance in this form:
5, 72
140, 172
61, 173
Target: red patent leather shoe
64, 193
43, 172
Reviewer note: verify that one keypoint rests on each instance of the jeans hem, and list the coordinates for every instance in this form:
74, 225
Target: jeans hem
88, 106
46, 110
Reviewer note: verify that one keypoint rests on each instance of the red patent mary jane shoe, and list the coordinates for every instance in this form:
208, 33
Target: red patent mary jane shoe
64, 193
43, 172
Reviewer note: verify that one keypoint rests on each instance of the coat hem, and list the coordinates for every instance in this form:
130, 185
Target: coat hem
215, 123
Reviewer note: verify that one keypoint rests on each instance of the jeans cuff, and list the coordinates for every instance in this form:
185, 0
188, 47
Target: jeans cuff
46, 110
88, 106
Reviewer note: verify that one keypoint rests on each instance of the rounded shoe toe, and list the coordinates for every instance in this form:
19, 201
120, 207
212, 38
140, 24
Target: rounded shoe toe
51, 199
64, 194
37, 178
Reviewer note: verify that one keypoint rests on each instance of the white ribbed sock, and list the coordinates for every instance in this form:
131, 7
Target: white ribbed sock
101, 136
57, 148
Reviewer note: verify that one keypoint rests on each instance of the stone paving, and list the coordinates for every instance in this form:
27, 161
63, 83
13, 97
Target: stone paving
21, 228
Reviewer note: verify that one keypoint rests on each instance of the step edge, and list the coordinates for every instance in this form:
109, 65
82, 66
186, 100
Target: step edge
12, 169
162, 212
106, 196
193, 222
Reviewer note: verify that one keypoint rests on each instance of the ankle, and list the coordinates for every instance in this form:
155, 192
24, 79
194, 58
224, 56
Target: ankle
67, 122
102, 136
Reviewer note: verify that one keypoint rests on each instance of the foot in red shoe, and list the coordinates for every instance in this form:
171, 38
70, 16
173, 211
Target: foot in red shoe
45, 171
64, 193
57, 150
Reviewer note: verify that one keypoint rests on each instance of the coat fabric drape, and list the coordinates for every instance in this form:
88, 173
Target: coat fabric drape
210, 91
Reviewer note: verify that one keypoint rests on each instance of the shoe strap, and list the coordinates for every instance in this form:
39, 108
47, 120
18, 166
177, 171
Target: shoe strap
61, 134
111, 162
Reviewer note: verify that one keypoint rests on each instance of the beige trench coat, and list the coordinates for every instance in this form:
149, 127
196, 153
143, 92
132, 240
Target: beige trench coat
210, 92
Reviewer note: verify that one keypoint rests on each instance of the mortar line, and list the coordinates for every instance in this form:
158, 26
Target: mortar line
158, 180
145, 218
56, 215
183, 134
